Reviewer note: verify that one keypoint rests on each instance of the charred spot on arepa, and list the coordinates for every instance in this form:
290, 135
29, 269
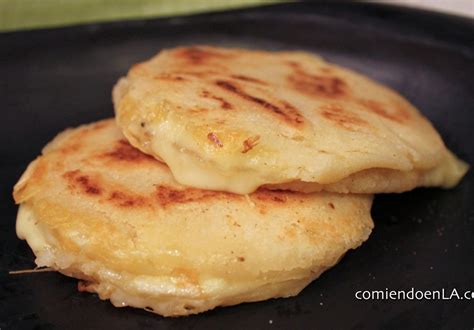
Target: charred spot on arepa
320, 85
168, 196
127, 199
248, 79
269, 200
124, 152
199, 55
78, 181
95, 186
250, 143
315, 85
341, 117
288, 113
396, 114
270, 196
277, 196
224, 104
211, 136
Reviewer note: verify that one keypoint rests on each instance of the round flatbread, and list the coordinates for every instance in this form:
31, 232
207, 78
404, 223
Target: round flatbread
95, 208
236, 119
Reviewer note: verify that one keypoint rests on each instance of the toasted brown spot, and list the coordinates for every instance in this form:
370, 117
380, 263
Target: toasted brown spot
124, 199
341, 117
91, 185
169, 77
249, 79
316, 85
77, 180
123, 151
331, 205
399, 115
286, 112
198, 111
198, 55
224, 104
250, 143
298, 118
277, 196
214, 139
267, 200
241, 259
167, 196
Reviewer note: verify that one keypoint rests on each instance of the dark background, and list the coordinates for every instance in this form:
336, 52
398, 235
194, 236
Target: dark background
52, 79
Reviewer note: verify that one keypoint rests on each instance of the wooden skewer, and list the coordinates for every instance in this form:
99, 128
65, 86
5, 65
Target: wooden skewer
28, 271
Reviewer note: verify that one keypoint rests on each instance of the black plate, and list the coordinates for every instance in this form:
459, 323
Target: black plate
52, 79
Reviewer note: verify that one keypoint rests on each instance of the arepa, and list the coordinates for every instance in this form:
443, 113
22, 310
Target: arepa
236, 119
95, 208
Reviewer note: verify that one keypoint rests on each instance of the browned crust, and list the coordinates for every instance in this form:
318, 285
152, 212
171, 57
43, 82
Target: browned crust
399, 115
248, 79
198, 55
327, 86
77, 181
224, 104
214, 139
250, 143
286, 112
95, 186
124, 152
167, 196
341, 117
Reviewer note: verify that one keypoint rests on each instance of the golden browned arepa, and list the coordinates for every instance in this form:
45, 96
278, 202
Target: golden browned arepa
95, 208
237, 119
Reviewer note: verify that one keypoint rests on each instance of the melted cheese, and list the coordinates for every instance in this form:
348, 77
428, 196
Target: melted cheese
28, 229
